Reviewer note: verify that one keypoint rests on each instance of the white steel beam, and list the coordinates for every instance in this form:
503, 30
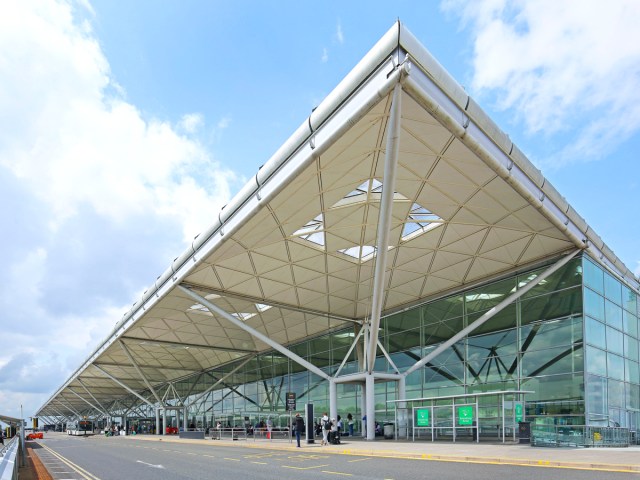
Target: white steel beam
86, 401
139, 370
384, 220
91, 395
128, 389
253, 332
500, 306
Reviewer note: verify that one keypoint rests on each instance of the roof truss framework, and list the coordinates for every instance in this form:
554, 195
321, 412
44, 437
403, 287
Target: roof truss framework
294, 255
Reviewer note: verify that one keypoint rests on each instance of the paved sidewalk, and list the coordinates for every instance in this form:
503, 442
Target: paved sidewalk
603, 459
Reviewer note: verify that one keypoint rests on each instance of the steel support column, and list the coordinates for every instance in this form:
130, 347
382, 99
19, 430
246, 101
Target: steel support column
384, 220
253, 332
333, 399
370, 407
503, 304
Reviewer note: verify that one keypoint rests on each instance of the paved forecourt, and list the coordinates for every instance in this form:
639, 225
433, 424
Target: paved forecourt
602, 459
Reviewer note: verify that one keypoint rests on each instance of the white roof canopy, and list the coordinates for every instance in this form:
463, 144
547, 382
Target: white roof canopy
293, 254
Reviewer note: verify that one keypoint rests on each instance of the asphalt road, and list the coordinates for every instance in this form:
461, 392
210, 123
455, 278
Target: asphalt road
117, 458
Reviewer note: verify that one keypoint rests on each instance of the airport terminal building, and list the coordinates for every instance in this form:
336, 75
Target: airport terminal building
397, 252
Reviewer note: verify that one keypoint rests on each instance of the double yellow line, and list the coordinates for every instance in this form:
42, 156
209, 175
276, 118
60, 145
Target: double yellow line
70, 464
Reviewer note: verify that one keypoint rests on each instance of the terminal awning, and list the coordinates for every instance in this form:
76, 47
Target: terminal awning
293, 254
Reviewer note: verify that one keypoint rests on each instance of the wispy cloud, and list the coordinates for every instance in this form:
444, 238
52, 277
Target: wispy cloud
564, 68
325, 55
191, 122
339, 34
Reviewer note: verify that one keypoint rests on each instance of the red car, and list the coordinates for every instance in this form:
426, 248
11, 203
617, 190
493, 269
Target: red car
34, 435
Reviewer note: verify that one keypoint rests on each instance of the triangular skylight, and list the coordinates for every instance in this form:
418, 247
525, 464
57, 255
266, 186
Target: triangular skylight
198, 308
362, 253
419, 221
312, 231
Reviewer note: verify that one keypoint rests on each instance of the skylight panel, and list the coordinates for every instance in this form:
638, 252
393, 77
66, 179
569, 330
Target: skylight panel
419, 221
262, 308
312, 231
362, 253
244, 316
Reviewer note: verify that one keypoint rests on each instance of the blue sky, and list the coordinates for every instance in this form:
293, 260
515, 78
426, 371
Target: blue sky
125, 126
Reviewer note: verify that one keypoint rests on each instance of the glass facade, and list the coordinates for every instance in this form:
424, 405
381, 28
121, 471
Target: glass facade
572, 340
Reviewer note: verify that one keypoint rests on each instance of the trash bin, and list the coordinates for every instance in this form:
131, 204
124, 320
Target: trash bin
389, 430
524, 432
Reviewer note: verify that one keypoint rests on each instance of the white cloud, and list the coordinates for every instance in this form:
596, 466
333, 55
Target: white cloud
325, 55
191, 122
564, 65
223, 123
339, 33
95, 198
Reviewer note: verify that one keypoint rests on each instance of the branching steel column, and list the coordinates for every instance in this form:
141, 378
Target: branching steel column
86, 401
384, 219
503, 304
123, 385
253, 332
139, 370
94, 398
222, 379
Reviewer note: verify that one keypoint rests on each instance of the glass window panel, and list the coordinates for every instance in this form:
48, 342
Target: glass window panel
344, 338
597, 394
595, 333
402, 321
439, 332
555, 305
404, 341
596, 361
443, 309
492, 369
633, 397
593, 276
593, 304
632, 373
320, 344
406, 359
538, 336
615, 341
444, 375
554, 387
453, 354
502, 320
613, 314
629, 300
631, 348
616, 394
552, 361
568, 276
488, 296
630, 323
615, 366
612, 288
500, 343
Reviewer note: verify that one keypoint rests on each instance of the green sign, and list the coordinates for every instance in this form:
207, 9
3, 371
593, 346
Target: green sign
422, 417
465, 415
519, 415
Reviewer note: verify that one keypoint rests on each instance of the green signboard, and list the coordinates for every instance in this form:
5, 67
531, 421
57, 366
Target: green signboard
465, 415
519, 412
422, 417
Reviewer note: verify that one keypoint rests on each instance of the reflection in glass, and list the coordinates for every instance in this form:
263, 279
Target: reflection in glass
597, 394
596, 361
595, 333
593, 304
612, 289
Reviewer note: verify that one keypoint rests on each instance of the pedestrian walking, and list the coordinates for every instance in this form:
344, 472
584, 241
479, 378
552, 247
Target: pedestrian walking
326, 426
299, 426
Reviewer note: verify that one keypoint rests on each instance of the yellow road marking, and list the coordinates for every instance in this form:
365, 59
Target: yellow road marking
359, 460
70, 464
232, 459
304, 468
338, 473
260, 463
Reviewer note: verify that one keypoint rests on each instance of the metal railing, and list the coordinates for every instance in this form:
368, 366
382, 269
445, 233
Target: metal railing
9, 459
579, 436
